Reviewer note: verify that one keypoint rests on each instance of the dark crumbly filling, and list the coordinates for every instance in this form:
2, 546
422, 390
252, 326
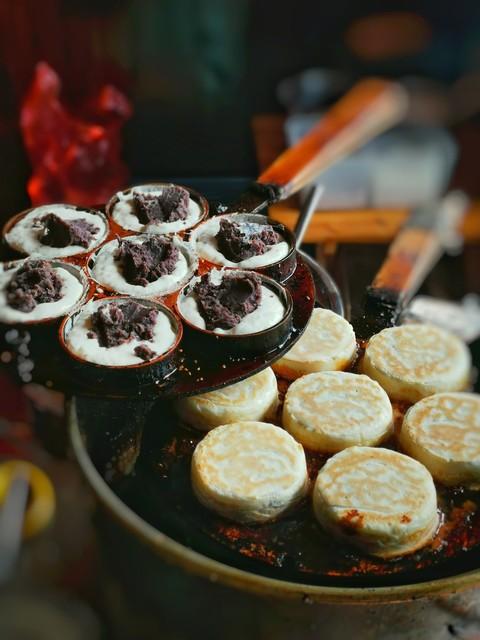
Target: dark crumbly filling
146, 262
239, 241
114, 323
169, 206
144, 352
57, 232
226, 304
33, 283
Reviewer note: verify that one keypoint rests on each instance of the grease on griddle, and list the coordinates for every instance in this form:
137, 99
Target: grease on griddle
295, 546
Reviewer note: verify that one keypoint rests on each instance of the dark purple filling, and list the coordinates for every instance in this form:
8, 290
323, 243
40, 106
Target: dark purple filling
114, 323
169, 206
35, 282
57, 232
226, 304
144, 352
239, 241
146, 262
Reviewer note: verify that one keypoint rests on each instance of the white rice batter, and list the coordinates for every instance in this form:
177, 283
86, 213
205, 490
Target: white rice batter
124, 215
24, 236
107, 271
89, 349
205, 244
72, 291
270, 311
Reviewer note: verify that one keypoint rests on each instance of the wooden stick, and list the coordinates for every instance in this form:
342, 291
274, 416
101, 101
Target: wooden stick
371, 107
417, 248
363, 225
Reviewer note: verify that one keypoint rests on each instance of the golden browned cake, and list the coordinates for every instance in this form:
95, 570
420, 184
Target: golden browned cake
255, 398
379, 500
416, 360
249, 471
333, 410
328, 344
443, 432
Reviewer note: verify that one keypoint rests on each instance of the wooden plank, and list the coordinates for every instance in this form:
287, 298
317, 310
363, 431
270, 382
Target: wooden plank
363, 225
369, 108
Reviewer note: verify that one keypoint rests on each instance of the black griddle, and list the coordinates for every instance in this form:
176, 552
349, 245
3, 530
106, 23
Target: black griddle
144, 457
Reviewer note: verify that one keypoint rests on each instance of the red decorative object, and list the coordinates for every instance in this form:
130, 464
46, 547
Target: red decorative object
75, 156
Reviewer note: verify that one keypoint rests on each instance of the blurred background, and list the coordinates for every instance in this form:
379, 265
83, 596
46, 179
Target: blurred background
208, 92
196, 71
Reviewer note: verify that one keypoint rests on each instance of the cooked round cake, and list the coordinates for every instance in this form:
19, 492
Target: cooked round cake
333, 410
155, 208
255, 398
328, 344
416, 360
443, 432
117, 332
144, 265
249, 471
57, 231
37, 290
238, 240
230, 302
378, 500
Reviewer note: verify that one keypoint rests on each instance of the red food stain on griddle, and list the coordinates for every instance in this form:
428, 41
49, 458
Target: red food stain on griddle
263, 553
351, 521
460, 530
231, 532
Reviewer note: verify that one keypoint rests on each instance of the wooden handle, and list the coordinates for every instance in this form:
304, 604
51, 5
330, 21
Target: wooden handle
411, 256
372, 106
417, 248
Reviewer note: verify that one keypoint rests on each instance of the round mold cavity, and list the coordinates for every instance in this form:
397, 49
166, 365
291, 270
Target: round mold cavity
248, 344
154, 186
149, 372
105, 287
279, 270
79, 257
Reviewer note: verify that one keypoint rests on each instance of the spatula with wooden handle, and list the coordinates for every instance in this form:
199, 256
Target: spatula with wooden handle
372, 106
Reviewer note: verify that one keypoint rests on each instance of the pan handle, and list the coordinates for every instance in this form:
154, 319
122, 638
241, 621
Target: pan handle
372, 106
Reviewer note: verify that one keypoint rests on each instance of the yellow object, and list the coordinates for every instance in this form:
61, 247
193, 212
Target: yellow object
41, 501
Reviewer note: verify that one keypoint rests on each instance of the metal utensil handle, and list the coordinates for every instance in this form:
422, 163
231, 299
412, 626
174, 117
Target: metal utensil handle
306, 213
372, 106
11, 524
